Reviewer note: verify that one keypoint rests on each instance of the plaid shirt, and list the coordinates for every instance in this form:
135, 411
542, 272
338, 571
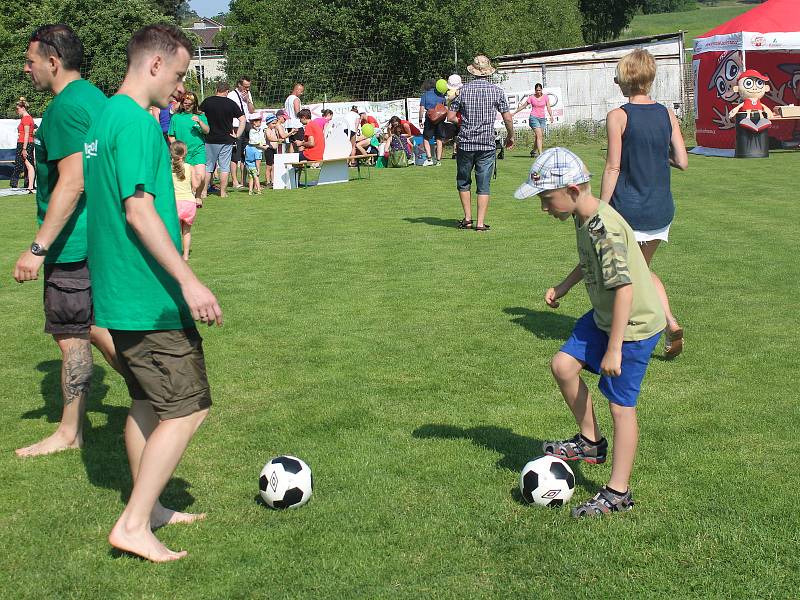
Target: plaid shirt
479, 102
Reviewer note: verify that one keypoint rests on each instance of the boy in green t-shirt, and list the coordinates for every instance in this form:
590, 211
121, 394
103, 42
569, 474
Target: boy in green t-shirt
615, 339
53, 62
145, 293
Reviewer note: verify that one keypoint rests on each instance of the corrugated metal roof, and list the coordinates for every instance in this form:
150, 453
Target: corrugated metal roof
599, 46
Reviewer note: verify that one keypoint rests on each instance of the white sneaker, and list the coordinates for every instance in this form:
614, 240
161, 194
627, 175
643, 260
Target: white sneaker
427, 163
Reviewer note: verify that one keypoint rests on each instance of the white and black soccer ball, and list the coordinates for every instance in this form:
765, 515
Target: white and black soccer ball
286, 482
547, 481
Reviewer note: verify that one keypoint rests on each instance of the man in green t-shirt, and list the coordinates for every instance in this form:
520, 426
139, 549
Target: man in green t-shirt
615, 339
53, 61
145, 293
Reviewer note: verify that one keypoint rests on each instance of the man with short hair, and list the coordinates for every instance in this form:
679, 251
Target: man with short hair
221, 112
478, 104
53, 62
244, 100
312, 147
145, 293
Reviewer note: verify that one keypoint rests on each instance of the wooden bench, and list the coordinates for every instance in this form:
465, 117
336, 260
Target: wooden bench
337, 172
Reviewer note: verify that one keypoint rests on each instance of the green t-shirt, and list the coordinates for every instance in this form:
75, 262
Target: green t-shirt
183, 129
125, 151
62, 133
610, 257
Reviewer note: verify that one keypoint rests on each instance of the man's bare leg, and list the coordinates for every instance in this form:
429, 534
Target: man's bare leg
142, 421
162, 452
483, 206
466, 204
76, 375
223, 184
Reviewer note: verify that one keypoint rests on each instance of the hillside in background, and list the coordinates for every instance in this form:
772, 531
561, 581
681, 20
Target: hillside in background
694, 22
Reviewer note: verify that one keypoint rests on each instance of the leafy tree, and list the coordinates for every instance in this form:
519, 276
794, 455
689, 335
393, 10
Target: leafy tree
102, 25
605, 19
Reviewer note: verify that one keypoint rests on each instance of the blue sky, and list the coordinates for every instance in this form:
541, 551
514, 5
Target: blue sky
209, 8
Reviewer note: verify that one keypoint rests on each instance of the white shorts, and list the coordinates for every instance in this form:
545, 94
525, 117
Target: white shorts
653, 234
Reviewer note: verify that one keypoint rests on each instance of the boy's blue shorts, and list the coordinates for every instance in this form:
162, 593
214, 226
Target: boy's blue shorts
588, 344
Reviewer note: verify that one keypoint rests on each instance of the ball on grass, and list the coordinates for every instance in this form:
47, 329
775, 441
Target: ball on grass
547, 481
286, 482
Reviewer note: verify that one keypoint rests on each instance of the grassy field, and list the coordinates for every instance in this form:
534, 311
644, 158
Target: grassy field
407, 362
694, 22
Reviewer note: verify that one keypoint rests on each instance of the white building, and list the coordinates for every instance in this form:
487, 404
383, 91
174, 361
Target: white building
581, 80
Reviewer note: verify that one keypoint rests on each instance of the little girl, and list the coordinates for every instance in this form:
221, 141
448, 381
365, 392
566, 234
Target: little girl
184, 197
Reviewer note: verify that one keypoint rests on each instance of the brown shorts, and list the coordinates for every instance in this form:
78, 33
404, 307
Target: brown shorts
67, 298
166, 368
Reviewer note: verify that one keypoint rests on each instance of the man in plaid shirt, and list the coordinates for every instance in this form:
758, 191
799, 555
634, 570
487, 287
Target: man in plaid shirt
478, 103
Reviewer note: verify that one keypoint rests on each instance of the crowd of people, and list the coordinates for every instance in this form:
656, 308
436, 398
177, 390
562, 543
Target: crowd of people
113, 195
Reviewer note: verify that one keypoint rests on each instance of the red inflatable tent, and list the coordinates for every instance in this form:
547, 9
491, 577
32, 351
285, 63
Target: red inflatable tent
766, 38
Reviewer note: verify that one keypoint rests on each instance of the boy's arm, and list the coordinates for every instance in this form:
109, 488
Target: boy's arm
62, 204
611, 364
149, 228
554, 293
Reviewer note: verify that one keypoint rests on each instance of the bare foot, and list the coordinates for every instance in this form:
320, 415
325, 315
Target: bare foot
50, 445
142, 543
161, 516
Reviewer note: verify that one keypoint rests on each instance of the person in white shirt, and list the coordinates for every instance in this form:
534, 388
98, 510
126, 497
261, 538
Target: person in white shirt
291, 107
244, 100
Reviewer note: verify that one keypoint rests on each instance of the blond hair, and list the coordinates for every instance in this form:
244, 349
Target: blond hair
178, 151
22, 103
636, 72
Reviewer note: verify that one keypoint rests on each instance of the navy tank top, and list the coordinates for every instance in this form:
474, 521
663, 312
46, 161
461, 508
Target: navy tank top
642, 195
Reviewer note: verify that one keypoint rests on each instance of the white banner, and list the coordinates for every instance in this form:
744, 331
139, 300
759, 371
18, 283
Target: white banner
382, 111
514, 98
748, 40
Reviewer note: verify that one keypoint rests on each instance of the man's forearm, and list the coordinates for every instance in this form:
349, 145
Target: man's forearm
509, 122
149, 228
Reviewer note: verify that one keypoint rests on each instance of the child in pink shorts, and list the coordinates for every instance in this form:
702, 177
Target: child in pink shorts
184, 197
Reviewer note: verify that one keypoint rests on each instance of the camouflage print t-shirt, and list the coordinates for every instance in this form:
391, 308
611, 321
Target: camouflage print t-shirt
609, 258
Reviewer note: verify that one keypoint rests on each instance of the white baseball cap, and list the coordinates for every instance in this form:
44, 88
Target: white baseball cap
556, 168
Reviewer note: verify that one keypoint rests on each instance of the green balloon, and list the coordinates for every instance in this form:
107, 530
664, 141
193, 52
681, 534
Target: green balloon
367, 130
441, 86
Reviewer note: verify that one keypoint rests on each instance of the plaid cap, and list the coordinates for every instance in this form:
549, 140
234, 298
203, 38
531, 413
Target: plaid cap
556, 168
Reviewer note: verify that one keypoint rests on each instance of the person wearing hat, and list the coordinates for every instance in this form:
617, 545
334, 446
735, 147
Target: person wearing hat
644, 140
752, 87
614, 339
478, 105
272, 138
283, 131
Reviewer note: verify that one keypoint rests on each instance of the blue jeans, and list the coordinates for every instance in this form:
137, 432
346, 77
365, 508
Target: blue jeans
483, 163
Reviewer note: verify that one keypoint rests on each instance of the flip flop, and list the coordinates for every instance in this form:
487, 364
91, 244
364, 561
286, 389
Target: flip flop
673, 343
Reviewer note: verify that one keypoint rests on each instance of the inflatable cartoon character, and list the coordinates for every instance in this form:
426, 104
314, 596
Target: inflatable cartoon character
752, 86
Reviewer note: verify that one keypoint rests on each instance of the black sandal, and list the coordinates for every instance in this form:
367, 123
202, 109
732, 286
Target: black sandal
464, 224
485, 227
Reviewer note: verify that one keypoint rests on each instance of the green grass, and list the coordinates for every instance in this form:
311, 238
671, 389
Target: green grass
694, 22
407, 362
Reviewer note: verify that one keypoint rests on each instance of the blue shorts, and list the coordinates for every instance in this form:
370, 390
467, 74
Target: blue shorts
537, 122
218, 155
588, 344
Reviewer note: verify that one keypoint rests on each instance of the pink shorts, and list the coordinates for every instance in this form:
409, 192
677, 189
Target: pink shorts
187, 209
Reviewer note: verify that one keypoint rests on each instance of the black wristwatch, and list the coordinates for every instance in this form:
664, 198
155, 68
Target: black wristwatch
38, 250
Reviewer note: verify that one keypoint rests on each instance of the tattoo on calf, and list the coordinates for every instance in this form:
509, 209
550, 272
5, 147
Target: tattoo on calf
77, 373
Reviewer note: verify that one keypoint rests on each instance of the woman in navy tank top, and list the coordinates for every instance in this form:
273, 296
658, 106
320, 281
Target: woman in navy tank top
644, 140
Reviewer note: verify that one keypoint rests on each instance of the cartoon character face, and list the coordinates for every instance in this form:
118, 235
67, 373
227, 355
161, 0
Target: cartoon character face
794, 82
726, 75
752, 88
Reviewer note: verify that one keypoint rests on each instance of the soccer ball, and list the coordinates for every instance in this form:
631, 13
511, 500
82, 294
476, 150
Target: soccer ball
286, 482
547, 481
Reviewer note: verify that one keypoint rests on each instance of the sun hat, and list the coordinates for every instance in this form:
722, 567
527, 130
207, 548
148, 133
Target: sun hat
280, 113
481, 66
554, 169
454, 81
270, 118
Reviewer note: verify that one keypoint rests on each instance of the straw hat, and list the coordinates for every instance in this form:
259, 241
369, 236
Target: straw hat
481, 66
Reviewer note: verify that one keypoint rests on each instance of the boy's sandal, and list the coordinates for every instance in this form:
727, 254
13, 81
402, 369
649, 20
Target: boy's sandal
673, 343
464, 224
484, 227
603, 503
